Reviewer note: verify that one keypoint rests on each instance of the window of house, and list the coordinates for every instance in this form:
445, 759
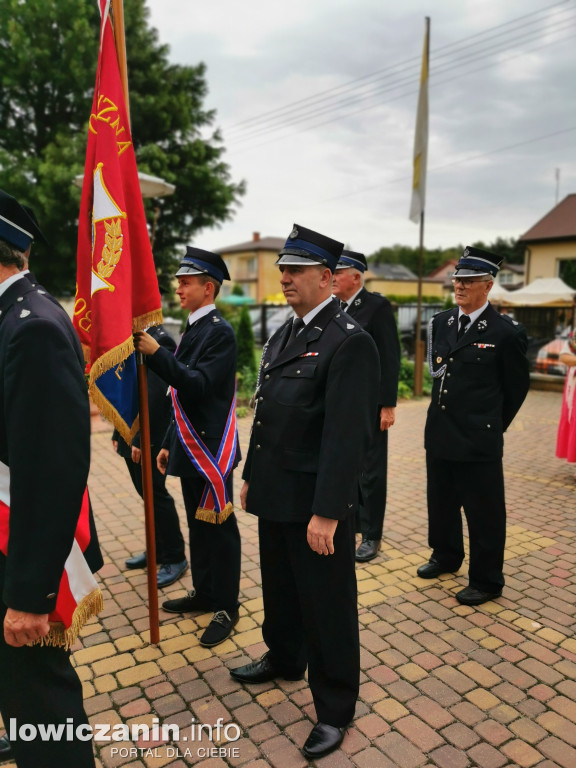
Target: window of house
567, 271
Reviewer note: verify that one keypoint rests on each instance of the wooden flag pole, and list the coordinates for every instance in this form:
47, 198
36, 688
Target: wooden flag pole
146, 451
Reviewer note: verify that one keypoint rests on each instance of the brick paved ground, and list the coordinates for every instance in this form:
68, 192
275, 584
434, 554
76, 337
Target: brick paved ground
442, 684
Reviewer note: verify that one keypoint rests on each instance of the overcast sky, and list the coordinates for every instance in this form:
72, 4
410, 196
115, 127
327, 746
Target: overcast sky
316, 101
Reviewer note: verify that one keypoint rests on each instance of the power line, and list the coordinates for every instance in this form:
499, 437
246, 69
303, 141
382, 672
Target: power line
434, 84
453, 163
464, 60
439, 53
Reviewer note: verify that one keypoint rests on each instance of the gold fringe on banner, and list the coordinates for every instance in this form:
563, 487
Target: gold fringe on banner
211, 516
111, 359
62, 637
109, 412
145, 321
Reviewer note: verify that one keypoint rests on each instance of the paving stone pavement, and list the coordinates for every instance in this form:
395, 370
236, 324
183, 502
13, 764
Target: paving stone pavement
442, 684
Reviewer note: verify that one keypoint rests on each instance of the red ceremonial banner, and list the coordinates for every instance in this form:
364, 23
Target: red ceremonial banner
117, 289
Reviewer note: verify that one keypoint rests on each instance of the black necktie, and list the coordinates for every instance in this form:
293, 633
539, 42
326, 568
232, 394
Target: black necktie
464, 320
297, 325
343, 305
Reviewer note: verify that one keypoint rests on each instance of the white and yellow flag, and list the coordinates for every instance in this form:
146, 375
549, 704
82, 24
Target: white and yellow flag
421, 138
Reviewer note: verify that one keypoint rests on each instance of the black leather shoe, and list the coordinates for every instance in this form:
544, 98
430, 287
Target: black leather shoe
323, 739
188, 604
262, 671
5, 750
368, 550
472, 596
138, 561
433, 569
220, 628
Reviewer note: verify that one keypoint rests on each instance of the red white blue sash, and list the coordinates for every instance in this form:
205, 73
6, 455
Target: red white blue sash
215, 505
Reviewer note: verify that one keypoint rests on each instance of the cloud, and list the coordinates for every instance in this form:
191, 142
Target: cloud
352, 74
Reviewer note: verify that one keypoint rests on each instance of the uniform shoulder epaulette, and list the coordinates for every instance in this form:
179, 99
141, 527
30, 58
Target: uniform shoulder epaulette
347, 323
508, 319
443, 312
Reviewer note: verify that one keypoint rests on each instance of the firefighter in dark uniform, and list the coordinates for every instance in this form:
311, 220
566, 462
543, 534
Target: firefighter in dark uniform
478, 360
202, 375
316, 399
374, 313
44, 464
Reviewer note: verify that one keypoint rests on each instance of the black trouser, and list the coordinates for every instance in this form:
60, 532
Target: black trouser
214, 551
373, 485
478, 487
311, 614
38, 685
169, 539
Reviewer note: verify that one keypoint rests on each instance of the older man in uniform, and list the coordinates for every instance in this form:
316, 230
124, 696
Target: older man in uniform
374, 313
201, 443
316, 400
44, 463
477, 358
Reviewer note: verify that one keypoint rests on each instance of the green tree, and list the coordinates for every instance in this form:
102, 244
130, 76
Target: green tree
245, 340
409, 257
512, 250
48, 56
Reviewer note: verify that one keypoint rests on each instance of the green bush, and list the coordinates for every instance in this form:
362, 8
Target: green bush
245, 340
246, 383
406, 380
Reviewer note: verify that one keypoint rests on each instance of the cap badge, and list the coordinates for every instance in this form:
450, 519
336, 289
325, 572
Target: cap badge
294, 234
466, 252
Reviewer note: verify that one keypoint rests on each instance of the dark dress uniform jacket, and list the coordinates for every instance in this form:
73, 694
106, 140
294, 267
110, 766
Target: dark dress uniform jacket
313, 420
374, 313
45, 441
203, 371
485, 383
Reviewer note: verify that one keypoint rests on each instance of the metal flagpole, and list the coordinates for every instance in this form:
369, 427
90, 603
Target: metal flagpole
146, 452
418, 201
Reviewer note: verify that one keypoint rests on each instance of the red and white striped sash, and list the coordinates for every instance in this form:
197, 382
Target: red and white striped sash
79, 596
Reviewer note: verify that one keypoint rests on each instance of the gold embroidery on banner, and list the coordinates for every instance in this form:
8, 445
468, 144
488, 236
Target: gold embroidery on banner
112, 249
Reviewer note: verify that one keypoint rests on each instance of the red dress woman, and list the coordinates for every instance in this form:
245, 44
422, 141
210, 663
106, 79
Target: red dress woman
566, 440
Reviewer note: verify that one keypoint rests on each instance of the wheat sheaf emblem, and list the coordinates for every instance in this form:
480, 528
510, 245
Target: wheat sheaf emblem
112, 249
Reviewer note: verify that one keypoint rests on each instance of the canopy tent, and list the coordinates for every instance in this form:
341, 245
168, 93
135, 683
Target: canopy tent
498, 294
542, 292
236, 300
150, 186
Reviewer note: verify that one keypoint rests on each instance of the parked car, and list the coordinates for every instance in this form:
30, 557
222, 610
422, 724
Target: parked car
548, 359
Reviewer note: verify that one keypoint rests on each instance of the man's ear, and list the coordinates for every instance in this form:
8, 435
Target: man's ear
326, 277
